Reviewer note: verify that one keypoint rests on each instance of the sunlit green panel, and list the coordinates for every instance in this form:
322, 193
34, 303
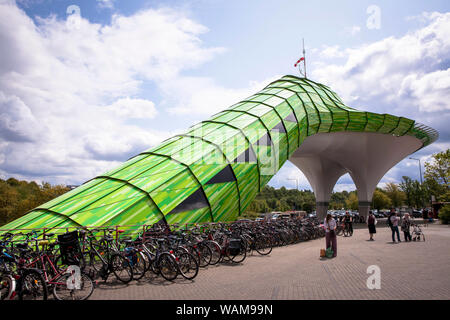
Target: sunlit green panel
243, 120
171, 148
390, 123
123, 193
193, 152
226, 116
221, 197
72, 193
246, 172
78, 203
138, 168
97, 216
234, 147
183, 180
150, 183
205, 172
274, 101
125, 165
340, 121
188, 217
164, 166
142, 212
226, 133
270, 119
326, 122
283, 109
272, 90
303, 125
314, 123
204, 129
259, 97
357, 122
403, 126
216, 157
297, 104
293, 142
167, 200
375, 122
255, 131
259, 110
291, 128
23, 221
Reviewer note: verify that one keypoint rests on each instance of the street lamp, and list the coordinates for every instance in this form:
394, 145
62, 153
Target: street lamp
420, 168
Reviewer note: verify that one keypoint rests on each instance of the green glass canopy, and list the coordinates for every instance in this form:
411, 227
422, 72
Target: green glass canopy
214, 170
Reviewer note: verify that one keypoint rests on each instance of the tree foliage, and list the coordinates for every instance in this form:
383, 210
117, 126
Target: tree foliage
437, 176
18, 197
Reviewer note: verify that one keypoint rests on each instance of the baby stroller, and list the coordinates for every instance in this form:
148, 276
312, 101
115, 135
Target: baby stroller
417, 233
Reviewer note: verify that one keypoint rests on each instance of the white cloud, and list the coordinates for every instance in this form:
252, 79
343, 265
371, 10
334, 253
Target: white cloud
69, 96
410, 72
202, 96
133, 108
353, 30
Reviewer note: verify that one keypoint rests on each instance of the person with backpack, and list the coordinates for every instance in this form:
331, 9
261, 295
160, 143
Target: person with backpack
371, 223
393, 223
330, 233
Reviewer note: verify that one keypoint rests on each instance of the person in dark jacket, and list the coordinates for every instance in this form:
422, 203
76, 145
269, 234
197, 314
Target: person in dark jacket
371, 223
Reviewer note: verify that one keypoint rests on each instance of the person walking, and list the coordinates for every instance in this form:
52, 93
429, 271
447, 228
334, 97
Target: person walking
371, 223
425, 217
348, 220
393, 222
330, 233
406, 224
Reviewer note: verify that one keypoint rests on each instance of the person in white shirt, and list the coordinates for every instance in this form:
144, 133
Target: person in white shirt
330, 233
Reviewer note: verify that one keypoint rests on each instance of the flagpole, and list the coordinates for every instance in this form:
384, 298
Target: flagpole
304, 57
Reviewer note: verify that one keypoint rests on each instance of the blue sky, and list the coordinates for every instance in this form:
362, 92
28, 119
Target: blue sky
145, 70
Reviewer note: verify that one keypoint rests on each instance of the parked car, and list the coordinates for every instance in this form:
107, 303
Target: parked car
417, 214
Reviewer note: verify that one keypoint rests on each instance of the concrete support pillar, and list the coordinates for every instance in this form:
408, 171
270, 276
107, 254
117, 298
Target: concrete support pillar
366, 156
322, 175
321, 210
363, 208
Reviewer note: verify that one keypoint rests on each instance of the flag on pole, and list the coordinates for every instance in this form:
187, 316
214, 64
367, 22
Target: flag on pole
299, 60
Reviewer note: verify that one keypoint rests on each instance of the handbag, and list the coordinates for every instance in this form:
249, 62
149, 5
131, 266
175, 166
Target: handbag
329, 252
322, 253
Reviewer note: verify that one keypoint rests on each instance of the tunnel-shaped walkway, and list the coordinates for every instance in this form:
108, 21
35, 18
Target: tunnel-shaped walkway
214, 170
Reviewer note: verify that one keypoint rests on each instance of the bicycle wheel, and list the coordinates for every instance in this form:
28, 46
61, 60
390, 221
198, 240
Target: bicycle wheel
205, 255
188, 266
63, 289
32, 286
263, 246
216, 252
167, 266
139, 265
239, 256
121, 268
7, 286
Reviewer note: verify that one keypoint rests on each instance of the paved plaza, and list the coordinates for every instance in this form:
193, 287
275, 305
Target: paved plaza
413, 270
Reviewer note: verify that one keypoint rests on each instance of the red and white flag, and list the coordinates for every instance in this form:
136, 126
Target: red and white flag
299, 60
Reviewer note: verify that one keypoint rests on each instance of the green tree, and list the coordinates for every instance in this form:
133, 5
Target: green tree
380, 200
394, 193
437, 175
352, 201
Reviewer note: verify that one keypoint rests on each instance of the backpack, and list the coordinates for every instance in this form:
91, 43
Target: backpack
389, 221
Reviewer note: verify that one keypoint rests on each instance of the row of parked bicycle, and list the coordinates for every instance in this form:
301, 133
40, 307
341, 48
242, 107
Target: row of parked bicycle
68, 265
